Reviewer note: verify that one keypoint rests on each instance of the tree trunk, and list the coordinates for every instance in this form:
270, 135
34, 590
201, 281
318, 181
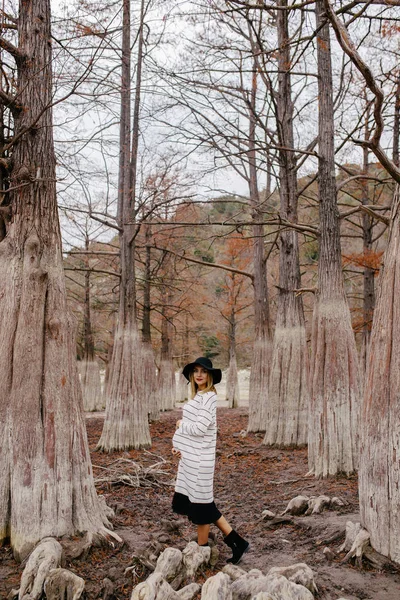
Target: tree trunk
126, 421
46, 481
288, 394
166, 374
369, 274
380, 418
258, 393
396, 126
335, 387
232, 380
182, 392
89, 368
150, 370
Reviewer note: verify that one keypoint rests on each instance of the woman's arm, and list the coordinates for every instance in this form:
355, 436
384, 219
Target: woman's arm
205, 417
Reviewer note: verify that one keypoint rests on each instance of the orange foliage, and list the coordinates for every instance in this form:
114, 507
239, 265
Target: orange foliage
390, 29
369, 259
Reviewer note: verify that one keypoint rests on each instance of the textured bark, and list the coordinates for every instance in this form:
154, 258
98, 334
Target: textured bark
259, 376
369, 274
335, 386
47, 555
380, 421
396, 126
126, 421
254, 582
182, 390
166, 375
217, 586
46, 481
89, 369
91, 385
62, 584
232, 380
288, 403
150, 382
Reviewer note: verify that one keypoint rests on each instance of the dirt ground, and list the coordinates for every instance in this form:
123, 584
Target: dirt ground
249, 479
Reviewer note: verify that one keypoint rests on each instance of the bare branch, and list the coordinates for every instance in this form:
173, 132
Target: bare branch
113, 273
349, 48
11, 49
205, 264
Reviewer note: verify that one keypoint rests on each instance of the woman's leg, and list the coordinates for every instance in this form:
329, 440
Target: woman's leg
202, 534
223, 526
236, 543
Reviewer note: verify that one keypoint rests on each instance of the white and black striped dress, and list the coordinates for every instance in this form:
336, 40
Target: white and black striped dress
196, 440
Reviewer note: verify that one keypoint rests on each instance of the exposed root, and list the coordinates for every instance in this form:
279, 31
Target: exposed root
80, 548
61, 584
297, 506
46, 556
358, 547
312, 506
299, 573
218, 586
317, 505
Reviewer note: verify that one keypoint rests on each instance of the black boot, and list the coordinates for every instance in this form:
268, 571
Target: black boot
238, 546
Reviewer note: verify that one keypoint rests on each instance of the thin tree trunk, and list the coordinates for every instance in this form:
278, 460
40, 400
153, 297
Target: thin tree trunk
379, 477
232, 380
166, 375
258, 393
288, 385
396, 126
89, 368
182, 392
126, 421
46, 481
335, 386
369, 274
149, 363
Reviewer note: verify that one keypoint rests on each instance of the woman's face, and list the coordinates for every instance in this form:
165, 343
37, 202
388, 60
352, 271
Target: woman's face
200, 377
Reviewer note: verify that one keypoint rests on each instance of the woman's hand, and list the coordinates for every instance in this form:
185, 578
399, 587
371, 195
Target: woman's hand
176, 452
178, 423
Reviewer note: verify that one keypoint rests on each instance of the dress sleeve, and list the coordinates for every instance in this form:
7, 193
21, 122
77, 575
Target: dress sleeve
205, 417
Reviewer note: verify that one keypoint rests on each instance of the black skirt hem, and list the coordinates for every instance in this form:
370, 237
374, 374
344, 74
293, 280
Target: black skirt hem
197, 513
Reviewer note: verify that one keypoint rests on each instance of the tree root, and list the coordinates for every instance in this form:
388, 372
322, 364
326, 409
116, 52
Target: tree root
357, 545
82, 547
46, 555
62, 584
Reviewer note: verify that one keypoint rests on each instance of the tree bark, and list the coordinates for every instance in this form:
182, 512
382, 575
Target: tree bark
232, 380
258, 392
46, 480
166, 374
126, 421
335, 387
380, 418
368, 274
288, 403
89, 368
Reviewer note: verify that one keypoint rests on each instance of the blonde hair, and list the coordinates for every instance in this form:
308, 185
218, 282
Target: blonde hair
193, 385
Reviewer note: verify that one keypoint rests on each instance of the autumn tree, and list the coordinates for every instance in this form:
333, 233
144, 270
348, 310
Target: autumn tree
46, 481
335, 387
126, 422
288, 403
234, 299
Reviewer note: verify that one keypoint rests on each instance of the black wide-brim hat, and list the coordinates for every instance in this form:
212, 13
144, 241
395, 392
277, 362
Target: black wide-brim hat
207, 364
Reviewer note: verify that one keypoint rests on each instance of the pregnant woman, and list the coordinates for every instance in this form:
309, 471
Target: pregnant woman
194, 442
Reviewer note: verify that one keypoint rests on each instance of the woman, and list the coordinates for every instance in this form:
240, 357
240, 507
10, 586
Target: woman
195, 442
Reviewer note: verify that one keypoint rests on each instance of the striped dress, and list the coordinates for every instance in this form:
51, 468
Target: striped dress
196, 440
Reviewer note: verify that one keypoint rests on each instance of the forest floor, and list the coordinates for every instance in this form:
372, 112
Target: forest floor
249, 478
